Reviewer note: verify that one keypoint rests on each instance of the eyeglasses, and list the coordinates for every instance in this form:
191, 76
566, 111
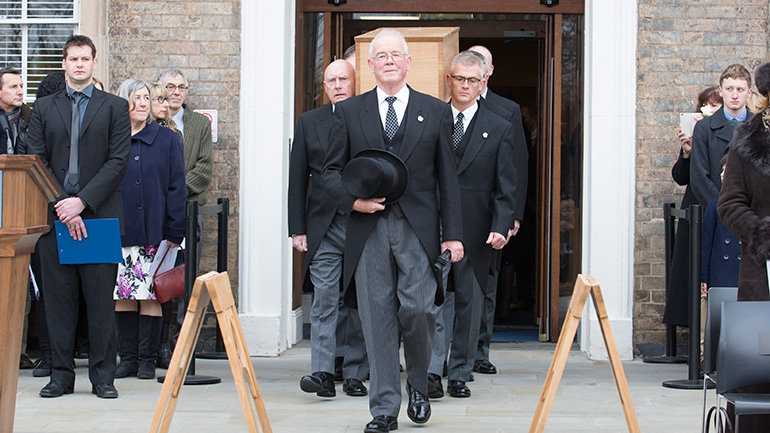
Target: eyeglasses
161, 99
471, 80
382, 57
171, 88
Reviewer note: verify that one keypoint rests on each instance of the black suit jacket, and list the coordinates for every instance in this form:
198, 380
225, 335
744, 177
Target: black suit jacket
488, 185
105, 144
310, 210
520, 151
433, 190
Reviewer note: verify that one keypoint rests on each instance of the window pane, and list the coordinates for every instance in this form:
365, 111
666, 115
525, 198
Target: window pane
50, 9
10, 9
44, 53
10, 45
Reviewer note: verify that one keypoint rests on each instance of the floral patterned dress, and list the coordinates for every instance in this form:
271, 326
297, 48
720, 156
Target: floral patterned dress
134, 279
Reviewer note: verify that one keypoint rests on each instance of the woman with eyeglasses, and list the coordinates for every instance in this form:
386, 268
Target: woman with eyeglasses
159, 105
154, 194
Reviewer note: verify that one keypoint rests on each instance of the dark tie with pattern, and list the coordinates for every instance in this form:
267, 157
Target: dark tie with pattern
391, 120
73, 173
457, 135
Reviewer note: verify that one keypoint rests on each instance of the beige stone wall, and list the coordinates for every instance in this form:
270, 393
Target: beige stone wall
203, 39
683, 46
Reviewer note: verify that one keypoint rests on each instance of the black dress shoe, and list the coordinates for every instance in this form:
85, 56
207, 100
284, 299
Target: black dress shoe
338, 361
25, 363
471, 378
55, 389
354, 388
484, 367
43, 367
382, 424
81, 354
419, 406
458, 389
320, 382
104, 390
435, 388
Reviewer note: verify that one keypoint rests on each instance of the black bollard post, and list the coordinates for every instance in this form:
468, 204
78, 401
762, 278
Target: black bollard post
669, 224
695, 216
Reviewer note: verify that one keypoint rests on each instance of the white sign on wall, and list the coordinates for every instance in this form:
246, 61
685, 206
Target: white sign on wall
212, 115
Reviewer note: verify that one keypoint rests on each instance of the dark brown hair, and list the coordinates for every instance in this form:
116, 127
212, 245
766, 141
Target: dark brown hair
79, 41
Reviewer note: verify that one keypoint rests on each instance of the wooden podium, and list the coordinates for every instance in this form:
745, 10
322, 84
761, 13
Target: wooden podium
26, 188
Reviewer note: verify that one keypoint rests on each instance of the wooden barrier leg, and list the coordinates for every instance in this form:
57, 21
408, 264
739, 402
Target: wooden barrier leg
180, 360
237, 352
567, 336
612, 352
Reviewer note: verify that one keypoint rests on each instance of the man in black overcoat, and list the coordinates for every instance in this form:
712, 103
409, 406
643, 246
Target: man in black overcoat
317, 227
483, 147
389, 249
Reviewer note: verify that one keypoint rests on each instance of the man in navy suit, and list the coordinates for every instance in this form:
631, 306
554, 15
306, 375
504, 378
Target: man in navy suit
317, 228
483, 146
389, 248
90, 188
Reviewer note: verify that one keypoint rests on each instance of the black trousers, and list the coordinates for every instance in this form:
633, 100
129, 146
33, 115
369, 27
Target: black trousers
62, 285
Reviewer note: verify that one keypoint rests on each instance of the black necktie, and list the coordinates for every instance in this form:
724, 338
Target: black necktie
73, 172
391, 120
457, 135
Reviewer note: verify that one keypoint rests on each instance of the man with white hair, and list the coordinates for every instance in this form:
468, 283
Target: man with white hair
389, 248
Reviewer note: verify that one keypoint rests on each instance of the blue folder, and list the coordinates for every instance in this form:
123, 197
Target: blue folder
101, 246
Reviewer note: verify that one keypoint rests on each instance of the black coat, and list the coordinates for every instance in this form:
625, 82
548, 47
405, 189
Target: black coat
311, 210
520, 151
433, 190
488, 186
105, 143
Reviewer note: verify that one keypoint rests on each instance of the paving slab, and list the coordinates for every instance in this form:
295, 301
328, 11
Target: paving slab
587, 400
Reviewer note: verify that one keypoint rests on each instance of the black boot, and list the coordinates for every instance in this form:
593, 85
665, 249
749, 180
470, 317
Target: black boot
149, 338
128, 342
163, 359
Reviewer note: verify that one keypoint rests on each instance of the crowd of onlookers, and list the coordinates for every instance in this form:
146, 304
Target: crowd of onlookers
137, 157
724, 161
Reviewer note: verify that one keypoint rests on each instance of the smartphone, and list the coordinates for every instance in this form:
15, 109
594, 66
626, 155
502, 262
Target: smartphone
687, 122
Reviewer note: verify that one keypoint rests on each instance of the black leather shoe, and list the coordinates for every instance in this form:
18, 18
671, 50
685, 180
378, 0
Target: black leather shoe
471, 378
419, 406
484, 367
55, 389
43, 367
458, 389
338, 361
382, 424
81, 354
320, 382
25, 363
104, 390
354, 388
435, 388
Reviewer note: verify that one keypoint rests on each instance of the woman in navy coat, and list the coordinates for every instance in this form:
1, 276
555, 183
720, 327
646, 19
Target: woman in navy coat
154, 196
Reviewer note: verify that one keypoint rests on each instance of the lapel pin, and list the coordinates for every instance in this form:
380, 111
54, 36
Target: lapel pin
420, 118
485, 135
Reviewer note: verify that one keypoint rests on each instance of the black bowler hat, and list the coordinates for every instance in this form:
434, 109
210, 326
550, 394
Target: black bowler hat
375, 173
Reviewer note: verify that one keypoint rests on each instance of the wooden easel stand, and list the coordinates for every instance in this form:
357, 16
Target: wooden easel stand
214, 287
584, 286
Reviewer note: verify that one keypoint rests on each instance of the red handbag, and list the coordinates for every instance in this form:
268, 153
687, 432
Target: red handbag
170, 284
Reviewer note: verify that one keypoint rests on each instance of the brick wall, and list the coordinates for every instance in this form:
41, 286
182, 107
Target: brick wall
683, 46
203, 39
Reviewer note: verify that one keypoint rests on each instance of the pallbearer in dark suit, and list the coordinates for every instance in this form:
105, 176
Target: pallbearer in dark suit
483, 148
317, 227
389, 249
90, 189
511, 112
